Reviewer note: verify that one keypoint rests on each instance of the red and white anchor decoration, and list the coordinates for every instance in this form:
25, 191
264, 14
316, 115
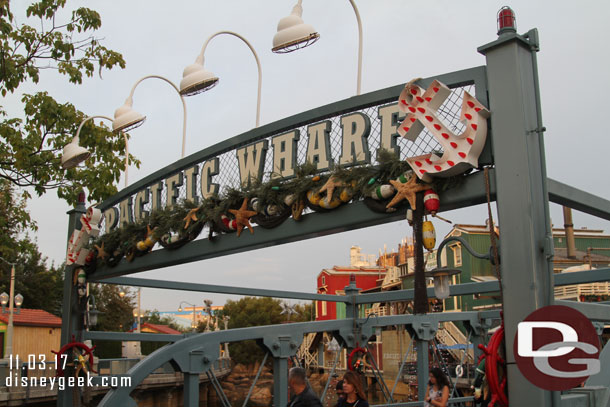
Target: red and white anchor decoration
460, 152
90, 228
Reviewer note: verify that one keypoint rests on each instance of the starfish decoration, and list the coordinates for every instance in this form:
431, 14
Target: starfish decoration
242, 217
406, 191
330, 186
297, 209
190, 217
101, 253
149, 232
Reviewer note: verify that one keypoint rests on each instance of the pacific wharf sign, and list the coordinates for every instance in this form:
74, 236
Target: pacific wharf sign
439, 132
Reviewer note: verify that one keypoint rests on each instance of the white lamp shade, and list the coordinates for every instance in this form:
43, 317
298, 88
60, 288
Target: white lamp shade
4, 299
125, 119
195, 80
73, 155
293, 33
18, 300
441, 286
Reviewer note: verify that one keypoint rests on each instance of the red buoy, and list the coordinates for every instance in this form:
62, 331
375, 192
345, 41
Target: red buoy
431, 201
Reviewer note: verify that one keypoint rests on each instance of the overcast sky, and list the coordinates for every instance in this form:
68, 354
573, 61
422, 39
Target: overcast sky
402, 40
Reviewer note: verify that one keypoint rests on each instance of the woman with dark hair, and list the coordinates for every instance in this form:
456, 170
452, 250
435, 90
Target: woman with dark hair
353, 393
437, 392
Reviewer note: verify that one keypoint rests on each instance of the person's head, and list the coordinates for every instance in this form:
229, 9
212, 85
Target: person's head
438, 378
352, 384
339, 389
297, 379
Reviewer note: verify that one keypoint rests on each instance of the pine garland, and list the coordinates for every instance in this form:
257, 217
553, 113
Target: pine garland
185, 220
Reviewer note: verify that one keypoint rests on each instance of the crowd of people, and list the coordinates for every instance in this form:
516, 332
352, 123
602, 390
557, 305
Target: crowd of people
350, 391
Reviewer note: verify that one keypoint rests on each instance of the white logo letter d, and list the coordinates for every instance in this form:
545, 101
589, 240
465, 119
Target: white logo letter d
525, 330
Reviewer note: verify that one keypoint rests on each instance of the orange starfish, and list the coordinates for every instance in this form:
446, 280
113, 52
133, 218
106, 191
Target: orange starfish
406, 191
191, 216
330, 186
101, 253
242, 217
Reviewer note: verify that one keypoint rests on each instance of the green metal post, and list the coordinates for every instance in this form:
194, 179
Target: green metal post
71, 324
191, 389
423, 362
280, 382
526, 244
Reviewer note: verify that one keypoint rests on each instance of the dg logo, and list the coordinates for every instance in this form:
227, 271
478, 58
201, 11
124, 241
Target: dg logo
557, 348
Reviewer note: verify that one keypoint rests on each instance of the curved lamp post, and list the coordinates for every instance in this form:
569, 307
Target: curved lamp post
441, 274
195, 79
125, 118
9, 299
293, 33
193, 325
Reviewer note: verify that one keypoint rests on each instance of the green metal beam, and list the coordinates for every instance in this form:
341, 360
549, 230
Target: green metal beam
221, 289
242, 334
581, 277
593, 311
574, 198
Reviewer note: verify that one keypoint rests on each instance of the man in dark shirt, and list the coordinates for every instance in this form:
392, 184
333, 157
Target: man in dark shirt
302, 394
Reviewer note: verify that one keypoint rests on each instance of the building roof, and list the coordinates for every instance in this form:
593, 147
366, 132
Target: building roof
584, 232
561, 254
32, 317
162, 329
357, 271
557, 232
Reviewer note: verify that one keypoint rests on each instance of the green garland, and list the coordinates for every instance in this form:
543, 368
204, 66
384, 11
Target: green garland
362, 180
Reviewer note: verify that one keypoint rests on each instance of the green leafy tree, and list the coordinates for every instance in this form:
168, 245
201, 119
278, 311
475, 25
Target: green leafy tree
116, 316
40, 287
31, 146
254, 311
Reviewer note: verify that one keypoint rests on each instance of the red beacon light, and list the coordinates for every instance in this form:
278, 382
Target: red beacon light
507, 22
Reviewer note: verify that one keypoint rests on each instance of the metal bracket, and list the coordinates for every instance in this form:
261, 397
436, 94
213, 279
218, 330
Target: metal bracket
548, 248
283, 346
198, 360
423, 328
478, 327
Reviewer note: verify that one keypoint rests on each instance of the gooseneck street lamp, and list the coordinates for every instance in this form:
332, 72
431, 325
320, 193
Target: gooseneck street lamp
193, 324
195, 79
293, 33
73, 153
126, 118
10, 299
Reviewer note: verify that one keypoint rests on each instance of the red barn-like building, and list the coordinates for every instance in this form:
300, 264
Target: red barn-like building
333, 281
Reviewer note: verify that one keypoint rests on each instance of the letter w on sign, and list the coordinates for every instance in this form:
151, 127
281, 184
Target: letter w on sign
460, 152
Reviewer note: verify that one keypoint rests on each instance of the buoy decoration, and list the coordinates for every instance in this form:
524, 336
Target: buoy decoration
228, 222
329, 204
170, 238
431, 201
410, 216
383, 192
290, 199
313, 197
429, 235
148, 242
